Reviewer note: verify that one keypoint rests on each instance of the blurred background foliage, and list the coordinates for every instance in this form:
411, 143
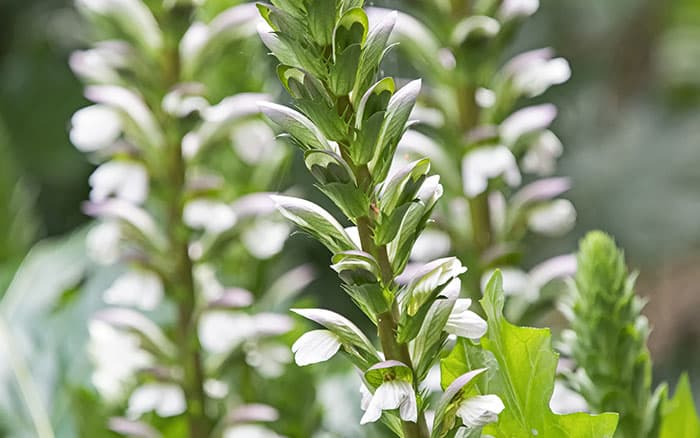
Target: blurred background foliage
629, 121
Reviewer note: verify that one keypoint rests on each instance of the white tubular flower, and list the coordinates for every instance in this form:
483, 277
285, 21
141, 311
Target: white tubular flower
527, 120
512, 9
210, 215
268, 358
220, 331
265, 238
315, 346
465, 323
134, 17
167, 400
117, 357
123, 180
392, 394
553, 219
536, 77
430, 245
254, 141
217, 389
484, 97
180, 103
480, 410
136, 288
95, 127
541, 157
250, 431
482, 164
130, 104
100, 63
102, 242
565, 401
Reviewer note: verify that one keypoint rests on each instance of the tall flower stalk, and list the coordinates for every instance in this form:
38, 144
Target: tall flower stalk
349, 125
607, 340
472, 125
180, 162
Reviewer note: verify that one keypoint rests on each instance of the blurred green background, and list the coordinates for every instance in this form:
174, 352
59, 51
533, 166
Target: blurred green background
629, 120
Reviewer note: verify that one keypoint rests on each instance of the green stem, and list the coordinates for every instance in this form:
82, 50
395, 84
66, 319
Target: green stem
181, 283
386, 322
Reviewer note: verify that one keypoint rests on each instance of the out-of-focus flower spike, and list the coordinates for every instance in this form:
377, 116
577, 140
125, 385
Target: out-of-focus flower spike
120, 179
484, 163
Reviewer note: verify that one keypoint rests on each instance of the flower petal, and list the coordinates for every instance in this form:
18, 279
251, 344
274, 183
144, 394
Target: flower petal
480, 410
465, 323
315, 346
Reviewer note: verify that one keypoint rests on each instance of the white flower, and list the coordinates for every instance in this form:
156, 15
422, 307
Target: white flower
553, 219
430, 245
478, 25
541, 156
254, 141
100, 64
216, 388
167, 400
130, 104
392, 394
484, 163
102, 242
212, 216
566, 401
315, 346
121, 179
480, 410
95, 127
484, 97
138, 288
250, 431
207, 282
221, 331
179, 103
540, 74
117, 356
527, 120
511, 9
265, 238
465, 323
268, 358
133, 15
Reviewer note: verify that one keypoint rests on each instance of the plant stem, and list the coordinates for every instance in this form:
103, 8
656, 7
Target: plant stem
182, 282
386, 322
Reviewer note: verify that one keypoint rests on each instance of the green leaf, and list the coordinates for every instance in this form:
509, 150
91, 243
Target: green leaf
316, 221
321, 18
343, 76
397, 112
404, 185
351, 30
372, 52
679, 416
524, 379
303, 130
